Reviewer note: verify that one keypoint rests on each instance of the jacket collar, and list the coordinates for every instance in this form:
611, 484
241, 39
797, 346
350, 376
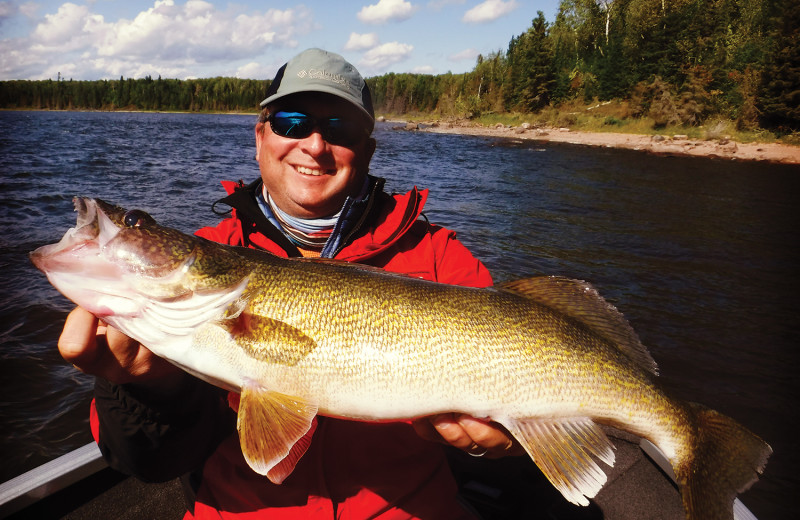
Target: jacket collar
241, 197
365, 229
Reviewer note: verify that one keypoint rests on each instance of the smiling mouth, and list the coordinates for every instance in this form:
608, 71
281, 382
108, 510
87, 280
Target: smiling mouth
314, 172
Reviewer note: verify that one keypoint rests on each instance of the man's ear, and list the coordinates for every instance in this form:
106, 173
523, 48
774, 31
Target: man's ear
369, 148
259, 135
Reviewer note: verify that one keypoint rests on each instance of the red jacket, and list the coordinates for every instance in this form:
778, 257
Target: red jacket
352, 470
393, 237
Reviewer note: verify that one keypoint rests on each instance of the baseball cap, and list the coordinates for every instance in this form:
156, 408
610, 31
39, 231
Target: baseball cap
317, 70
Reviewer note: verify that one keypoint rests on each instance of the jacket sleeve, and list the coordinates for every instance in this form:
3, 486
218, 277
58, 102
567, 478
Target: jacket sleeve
227, 231
455, 264
160, 438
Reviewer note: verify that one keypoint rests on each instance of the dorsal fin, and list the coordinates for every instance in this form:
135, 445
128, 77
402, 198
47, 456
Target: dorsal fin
580, 301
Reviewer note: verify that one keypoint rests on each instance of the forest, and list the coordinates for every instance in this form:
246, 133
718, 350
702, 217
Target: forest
675, 62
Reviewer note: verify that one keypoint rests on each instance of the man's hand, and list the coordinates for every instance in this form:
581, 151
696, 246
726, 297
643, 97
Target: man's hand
477, 437
100, 350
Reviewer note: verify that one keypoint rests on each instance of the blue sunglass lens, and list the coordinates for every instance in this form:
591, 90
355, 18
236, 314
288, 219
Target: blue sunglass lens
296, 125
292, 124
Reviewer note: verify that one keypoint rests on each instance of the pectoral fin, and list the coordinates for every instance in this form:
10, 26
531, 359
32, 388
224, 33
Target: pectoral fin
273, 430
563, 449
270, 340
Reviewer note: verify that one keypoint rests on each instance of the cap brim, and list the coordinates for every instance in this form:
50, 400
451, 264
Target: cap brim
318, 88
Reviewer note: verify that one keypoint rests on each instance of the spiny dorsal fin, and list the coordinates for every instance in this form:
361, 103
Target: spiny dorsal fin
580, 301
563, 449
270, 424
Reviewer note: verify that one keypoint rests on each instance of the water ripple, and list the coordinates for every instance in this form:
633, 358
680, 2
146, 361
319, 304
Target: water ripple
701, 255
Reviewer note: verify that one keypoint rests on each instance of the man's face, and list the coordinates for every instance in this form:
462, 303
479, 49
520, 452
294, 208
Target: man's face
310, 177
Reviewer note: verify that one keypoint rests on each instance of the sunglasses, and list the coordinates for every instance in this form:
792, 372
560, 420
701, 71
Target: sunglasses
335, 130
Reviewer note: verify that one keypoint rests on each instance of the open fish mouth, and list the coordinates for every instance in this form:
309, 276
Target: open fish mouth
80, 244
77, 266
546, 357
117, 263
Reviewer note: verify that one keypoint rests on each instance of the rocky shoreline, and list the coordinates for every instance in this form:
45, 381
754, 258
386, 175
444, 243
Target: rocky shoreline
661, 145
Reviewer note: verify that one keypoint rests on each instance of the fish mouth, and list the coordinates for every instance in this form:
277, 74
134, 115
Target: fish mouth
77, 268
93, 230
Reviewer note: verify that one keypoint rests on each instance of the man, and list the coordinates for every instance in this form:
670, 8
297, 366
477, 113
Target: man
314, 198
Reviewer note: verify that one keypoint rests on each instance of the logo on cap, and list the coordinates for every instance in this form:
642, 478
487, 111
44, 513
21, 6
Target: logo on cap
327, 76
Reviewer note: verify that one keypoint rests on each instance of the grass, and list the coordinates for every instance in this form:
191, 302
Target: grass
612, 117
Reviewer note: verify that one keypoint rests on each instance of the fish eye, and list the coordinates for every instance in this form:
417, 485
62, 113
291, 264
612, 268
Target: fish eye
134, 218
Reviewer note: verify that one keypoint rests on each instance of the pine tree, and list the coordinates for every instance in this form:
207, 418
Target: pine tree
780, 91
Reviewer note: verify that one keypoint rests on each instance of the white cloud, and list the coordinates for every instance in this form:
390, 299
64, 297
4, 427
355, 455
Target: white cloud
255, 70
171, 39
360, 42
65, 29
489, 10
423, 69
466, 54
384, 55
197, 32
386, 11
29, 9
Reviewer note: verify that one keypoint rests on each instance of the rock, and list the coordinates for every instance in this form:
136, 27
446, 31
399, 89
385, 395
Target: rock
680, 137
519, 130
525, 125
499, 126
380, 119
412, 126
657, 138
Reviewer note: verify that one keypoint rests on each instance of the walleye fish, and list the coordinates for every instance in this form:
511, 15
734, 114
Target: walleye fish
546, 357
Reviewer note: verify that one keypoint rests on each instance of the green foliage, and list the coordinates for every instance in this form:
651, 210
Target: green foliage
530, 69
779, 100
214, 94
663, 109
675, 62
694, 102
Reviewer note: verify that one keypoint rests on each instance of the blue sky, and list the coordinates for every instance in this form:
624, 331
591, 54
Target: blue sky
96, 39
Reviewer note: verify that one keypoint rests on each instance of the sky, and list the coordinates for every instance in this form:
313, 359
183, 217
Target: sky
106, 39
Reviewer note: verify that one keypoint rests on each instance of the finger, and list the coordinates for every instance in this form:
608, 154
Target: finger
490, 436
426, 430
77, 343
480, 431
446, 425
128, 361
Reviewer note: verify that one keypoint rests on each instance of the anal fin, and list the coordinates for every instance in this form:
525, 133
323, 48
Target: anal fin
563, 451
274, 431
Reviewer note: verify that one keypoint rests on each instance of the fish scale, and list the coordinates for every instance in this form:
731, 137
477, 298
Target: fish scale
548, 358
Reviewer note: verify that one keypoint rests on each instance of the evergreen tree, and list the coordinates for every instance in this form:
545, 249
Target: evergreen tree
780, 91
530, 68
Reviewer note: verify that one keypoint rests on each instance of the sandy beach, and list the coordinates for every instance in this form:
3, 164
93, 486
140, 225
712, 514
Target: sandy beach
660, 145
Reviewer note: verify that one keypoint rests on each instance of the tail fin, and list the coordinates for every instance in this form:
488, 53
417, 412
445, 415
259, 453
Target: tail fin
727, 460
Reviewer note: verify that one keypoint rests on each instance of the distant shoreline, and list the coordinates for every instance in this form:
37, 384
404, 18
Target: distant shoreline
659, 145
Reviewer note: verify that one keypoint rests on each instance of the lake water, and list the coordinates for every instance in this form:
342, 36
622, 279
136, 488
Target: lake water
700, 255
